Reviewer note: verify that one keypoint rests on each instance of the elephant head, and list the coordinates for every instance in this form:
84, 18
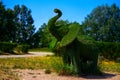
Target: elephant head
69, 36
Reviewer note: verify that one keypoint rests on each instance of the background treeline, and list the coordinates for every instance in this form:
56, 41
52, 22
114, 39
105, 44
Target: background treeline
16, 29
102, 24
109, 50
16, 25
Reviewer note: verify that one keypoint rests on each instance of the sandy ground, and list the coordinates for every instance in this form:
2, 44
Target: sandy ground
40, 75
31, 54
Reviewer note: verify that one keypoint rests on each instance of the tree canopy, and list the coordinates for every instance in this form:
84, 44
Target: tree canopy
103, 23
24, 23
16, 25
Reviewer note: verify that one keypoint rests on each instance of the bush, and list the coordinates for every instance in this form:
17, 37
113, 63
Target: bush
45, 49
7, 47
67, 70
48, 71
22, 49
109, 50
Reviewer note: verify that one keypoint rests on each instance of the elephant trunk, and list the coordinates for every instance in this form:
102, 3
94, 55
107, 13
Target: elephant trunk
51, 23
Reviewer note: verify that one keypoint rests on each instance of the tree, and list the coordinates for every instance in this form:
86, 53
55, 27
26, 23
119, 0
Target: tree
35, 41
45, 36
103, 23
7, 28
16, 25
24, 24
9, 24
2, 16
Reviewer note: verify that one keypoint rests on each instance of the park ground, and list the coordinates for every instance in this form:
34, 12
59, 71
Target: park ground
39, 74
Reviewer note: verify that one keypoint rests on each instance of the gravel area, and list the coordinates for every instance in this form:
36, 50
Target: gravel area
40, 75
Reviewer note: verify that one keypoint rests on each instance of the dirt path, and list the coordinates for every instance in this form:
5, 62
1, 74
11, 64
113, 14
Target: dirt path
31, 54
40, 75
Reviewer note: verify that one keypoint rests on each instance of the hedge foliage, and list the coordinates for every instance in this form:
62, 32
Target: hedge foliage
22, 49
7, 47
109, 50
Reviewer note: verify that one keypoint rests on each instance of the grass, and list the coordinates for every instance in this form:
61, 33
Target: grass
6, 74
51, 63
110, 66
32, 63
40, 49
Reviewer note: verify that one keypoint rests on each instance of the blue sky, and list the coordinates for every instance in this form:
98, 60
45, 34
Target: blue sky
73, 10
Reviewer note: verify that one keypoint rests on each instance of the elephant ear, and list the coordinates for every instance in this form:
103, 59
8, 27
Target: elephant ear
71, 35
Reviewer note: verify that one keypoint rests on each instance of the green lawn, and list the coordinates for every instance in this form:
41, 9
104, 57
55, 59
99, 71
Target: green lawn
31, 63
49, 62
40, 49
110, 66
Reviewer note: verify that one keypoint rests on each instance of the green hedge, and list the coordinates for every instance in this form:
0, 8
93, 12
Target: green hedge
109, 50
7, 47
22, 49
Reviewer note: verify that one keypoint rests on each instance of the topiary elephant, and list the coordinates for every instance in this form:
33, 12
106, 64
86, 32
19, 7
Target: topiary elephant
77, 50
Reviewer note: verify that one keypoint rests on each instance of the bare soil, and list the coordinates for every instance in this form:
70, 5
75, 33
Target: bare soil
40, 75
31, 54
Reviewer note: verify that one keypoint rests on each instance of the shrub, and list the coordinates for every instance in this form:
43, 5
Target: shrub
48, 71
67, 70
7, 47
109, 50
22, 49
45, 49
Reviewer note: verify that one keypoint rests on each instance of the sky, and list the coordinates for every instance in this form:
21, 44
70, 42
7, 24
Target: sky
73, 10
